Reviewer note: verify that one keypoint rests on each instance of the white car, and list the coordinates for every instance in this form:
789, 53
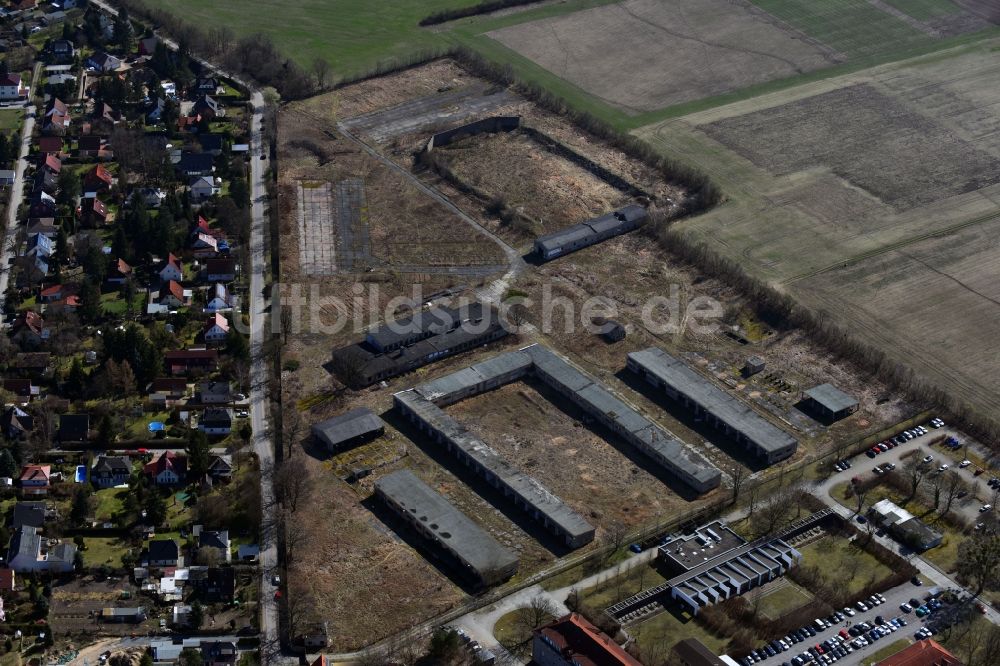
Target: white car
965, 463
850, 612
928, 459
943, 468
986, 507
905, 607
862, 606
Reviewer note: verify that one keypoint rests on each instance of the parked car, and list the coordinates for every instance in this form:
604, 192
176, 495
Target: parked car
964, 463
905, 607
928, 459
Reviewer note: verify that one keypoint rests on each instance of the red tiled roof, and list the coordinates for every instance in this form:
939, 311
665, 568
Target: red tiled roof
219, 320
52, 291
50, 144
925, 652
168, 460
53, 163
190, 354
584, 644
174, 289
31, 320
35, 473
6, 579
101, 174
10, 79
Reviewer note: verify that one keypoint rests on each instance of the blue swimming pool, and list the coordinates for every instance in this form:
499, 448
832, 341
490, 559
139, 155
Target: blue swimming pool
81, 473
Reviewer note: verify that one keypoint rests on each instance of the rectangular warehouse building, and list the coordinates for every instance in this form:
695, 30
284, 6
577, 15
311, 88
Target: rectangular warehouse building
403, 345
682, 383
591, 232
348, 429
466, 545
829, 402
525, 491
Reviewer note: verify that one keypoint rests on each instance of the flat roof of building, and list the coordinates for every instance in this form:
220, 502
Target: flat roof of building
529, 489
690, 550
433, 321
345, 427
726, 408
831, 397
467, 540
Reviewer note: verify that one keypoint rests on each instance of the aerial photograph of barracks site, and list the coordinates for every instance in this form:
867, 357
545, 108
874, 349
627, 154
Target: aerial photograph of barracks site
515, 332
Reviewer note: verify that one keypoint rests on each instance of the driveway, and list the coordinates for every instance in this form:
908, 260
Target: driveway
16, 196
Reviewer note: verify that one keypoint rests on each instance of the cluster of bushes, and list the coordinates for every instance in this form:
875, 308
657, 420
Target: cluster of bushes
485, 7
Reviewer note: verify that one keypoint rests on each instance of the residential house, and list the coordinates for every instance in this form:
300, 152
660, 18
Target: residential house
69, 304
172, 269
30, 552
11, 87
42, 203
220, 269
212, 143
93, 211
22, 388
50, 145
22, 5
28, 514
16, 422
28, 330
102, 61
45, 181
164, 390
155, 111
98, 179
40, 246
127, 615
120, 273
217, 541
208, 108
219, 299
107, 113
62, 50
43, 225
51, 161
74, 428
216, 421
8, 582
57, 118
34, 480
188, 123
162, 553
248, 552
205, 246
111, 471
50, 294
573, 640
7, 177
147, 46
180, 362
216, 329
195, 164
213, 584
204, 187
32, 364
214, 393
171, 295
207, 85
167, 469
53, 80
219, 653
221, 468
93, 147
151, 197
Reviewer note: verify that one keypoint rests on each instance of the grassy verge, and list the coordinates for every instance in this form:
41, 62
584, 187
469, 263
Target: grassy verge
887, 651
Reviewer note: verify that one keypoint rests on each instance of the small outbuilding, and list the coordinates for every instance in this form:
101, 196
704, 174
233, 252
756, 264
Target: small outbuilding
752, 366
609, 329
829, 402
348, 429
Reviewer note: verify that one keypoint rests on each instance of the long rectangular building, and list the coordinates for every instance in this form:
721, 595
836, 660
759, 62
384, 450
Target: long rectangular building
470, 547
681, 382
526, 492
588, 233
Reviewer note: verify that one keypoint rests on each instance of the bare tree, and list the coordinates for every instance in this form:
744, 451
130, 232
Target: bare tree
538, 611
914, 471
979, 561
860, 494
292, 483
954, 486
614, 536
739, 478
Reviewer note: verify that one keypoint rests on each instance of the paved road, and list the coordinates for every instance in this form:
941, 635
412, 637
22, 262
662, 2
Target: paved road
16, 195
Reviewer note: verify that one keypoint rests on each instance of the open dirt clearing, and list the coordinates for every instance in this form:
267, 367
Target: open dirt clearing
606, 482
916, 281
551, 191
642, 55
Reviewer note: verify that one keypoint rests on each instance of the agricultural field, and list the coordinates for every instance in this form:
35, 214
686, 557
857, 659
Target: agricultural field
642, 55
846, 211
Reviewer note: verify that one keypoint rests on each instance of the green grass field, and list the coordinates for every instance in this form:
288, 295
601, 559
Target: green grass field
352, 34
923, 10
842, 563
667, 628
784, 599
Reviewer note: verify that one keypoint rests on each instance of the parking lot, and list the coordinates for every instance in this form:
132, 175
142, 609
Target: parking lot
888, 611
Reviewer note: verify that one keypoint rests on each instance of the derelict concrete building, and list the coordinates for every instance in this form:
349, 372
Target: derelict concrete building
682, 383
348, 429
466, 545
396, 347
830, 402
579, 236
422, 405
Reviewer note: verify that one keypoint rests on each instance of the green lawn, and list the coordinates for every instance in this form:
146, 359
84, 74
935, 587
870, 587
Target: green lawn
887, 651
785, 598
108, 502
103, 550
616, 589
840, 562
923, 10
11, 119
670, 626
352, 35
